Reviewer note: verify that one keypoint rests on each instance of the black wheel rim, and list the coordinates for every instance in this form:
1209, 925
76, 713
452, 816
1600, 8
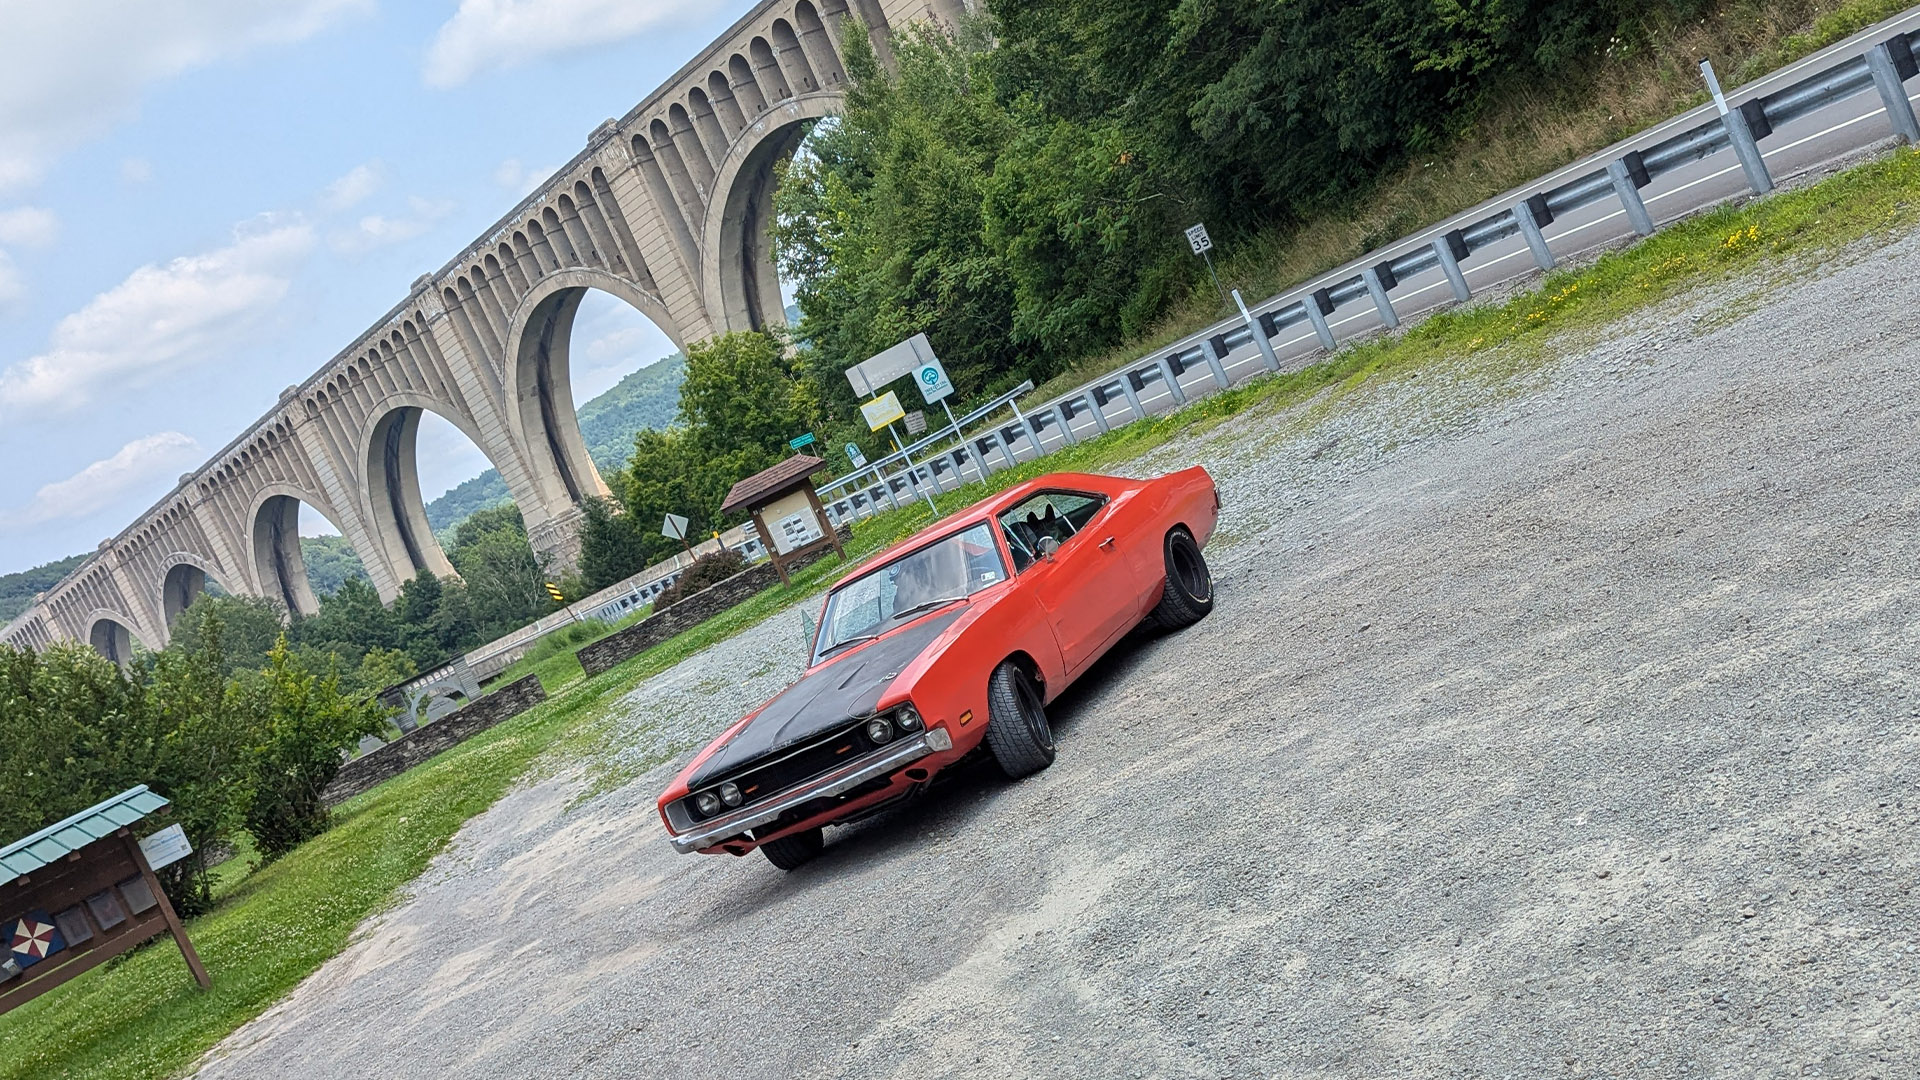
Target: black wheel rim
1187, 570
1036, 713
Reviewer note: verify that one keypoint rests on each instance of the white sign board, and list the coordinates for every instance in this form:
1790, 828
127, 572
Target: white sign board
933, 381
674, 528
903, 359
882, 410
166, 847
916, 423
1197, 236
854, 455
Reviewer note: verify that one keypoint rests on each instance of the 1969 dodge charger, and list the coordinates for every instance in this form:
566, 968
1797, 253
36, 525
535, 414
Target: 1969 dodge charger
956, 638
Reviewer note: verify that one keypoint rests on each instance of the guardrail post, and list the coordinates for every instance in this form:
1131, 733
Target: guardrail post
1172, 381
1066, 423
1033, 433
1217, 346
1892, 64
1318, 307
1379, 279
1215, 350
1627, 182
1133, 399
1531, 215
1451, 249
1740, 128
1097, 398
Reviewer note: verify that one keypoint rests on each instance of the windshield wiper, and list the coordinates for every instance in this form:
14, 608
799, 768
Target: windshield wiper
928, 606
838, 645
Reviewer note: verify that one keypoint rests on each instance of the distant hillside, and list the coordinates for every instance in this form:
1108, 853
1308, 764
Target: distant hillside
18, 590
330, 562
648, 398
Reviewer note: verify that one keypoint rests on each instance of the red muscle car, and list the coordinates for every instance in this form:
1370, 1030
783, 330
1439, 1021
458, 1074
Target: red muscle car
955, 638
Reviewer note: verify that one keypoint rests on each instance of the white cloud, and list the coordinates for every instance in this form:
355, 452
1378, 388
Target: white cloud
378, 231
352, 189
70, 71
12, 286
141, 464
519, 179
160, 319
28, 226
489, 35
136, 170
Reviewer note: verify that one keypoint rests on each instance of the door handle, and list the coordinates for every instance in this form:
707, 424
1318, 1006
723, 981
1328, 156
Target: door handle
1107, 544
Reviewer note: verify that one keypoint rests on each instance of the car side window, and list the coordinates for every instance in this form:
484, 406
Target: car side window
1059, 514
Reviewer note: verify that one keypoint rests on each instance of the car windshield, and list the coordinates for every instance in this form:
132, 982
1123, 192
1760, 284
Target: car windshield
875, 602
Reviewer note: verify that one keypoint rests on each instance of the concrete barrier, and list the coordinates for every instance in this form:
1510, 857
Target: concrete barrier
378, 766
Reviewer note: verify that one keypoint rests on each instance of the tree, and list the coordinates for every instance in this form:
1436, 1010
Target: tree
505, 582
302, 723
614, 544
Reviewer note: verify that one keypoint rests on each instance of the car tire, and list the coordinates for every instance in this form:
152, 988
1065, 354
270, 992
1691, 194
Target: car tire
791, 852
1017, 730
1188, 594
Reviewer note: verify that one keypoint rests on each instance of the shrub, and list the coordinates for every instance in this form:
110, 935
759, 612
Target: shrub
706, 571
303, 722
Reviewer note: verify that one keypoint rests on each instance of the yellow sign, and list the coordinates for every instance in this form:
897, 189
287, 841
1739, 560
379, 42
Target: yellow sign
882, 411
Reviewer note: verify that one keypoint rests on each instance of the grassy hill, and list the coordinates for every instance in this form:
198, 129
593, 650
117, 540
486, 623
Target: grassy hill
18, 590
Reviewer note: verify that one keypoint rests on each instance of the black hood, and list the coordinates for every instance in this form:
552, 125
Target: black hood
826, 699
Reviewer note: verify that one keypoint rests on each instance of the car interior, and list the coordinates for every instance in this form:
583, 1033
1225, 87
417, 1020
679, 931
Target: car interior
1057, 514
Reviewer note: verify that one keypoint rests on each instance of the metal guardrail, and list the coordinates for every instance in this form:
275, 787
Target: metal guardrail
1880, 59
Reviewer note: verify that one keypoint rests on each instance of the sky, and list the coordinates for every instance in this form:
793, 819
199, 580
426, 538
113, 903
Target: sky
202, 201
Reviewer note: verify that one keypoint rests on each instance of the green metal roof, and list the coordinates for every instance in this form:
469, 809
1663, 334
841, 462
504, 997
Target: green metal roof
62, 838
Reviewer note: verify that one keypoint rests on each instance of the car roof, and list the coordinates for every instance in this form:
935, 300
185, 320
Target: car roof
962, 520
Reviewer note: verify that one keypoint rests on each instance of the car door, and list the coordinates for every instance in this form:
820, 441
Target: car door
1086, 590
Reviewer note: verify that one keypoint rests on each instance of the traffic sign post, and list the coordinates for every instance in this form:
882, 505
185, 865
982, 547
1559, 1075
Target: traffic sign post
1202, 245
675, 528
799, 441
932, 379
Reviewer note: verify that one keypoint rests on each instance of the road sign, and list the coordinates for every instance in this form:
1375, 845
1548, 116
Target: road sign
869, 376
166, 847
799, 441
882, 410
554, 591
916, 423
854, 455
674, 528
933, 381
1197, 236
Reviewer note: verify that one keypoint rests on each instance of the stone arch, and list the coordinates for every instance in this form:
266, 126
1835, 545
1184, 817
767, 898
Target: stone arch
184, 578
793, 60
111, 635
391, 501
539, 380
280, 569
747, 92
738, 272
767, 73
821, 49
720, 96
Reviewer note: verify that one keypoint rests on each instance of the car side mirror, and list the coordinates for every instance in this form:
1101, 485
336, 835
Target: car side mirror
1047, 545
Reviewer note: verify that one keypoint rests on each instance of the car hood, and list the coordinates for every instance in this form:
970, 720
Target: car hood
827, 698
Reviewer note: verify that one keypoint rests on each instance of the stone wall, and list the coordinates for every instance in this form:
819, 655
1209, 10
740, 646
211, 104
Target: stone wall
610, 651
373, 768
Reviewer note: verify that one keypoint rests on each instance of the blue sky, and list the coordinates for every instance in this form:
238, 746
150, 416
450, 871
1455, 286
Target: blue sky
201, 201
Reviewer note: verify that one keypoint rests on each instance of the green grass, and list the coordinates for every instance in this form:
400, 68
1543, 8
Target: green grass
142, 1017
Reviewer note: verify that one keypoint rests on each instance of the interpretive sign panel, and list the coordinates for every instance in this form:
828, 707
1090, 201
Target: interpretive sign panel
883, 410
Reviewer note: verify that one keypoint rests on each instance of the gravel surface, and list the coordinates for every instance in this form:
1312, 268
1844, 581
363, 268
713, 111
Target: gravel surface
1554, 721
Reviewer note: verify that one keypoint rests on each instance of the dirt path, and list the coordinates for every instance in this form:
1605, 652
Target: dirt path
1556, 726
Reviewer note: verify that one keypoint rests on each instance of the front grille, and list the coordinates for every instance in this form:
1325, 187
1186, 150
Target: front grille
790, 768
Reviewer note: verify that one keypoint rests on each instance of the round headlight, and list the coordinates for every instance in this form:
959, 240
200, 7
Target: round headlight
907, 717
730, 793
707, 803
879, 730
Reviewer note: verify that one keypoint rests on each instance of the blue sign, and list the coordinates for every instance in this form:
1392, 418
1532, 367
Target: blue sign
803, 440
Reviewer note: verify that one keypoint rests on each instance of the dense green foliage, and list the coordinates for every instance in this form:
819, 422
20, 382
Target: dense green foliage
1018, 191
707, 571
18, 590
743, 398
331, 561
246, 749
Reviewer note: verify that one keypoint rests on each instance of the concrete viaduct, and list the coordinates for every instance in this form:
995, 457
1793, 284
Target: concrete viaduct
666, 208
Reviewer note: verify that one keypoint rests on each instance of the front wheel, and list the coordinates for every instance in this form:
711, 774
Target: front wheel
790, 852
1017, 730
1188, 594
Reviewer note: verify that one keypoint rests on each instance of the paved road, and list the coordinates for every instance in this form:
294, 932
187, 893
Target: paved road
1553, 722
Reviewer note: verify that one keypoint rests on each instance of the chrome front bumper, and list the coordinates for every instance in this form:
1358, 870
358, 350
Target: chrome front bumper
894, 757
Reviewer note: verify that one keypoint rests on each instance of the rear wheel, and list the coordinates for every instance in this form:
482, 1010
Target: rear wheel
789, 852
1188, 594
1017, 730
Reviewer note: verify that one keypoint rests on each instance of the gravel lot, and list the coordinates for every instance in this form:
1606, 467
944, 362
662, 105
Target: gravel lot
1556, 722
